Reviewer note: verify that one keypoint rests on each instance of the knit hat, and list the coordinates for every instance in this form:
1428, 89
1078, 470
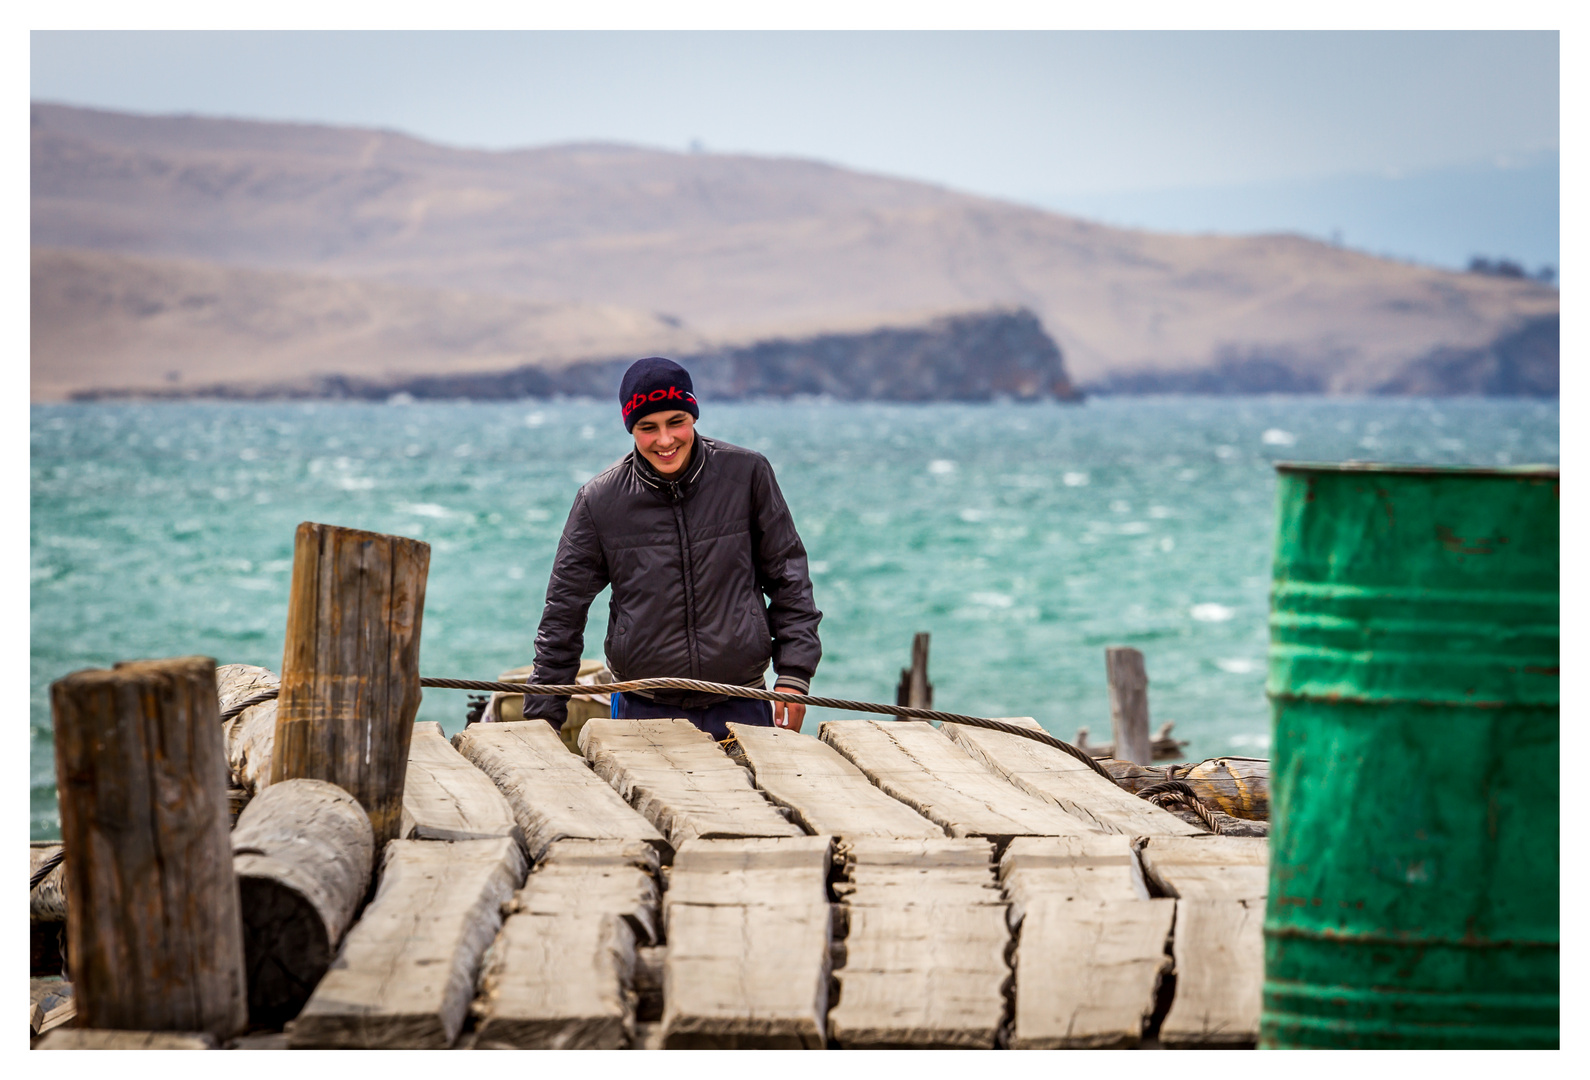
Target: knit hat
655, 385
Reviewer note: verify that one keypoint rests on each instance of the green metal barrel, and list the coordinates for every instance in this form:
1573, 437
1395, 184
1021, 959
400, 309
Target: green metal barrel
1413, 894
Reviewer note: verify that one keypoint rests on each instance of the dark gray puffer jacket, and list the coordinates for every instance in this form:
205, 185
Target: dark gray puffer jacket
690, 562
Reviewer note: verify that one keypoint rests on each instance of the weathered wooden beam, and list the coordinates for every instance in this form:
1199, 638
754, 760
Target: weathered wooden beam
823, 789
250, 734
1219, 883
445, 797
1129, 704
350, 670
552, 794
1092, 945
915, 691
615, 877
921, 767
559, 982
748, 944
51, 1002
1208, 867
406, 971
562, 970
676, 776
153, 930
1053, 775
924, 953
303, 851
112, 1039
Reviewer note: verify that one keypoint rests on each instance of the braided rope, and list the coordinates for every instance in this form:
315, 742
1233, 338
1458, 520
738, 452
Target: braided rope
44, 869
726, 690
1180, 793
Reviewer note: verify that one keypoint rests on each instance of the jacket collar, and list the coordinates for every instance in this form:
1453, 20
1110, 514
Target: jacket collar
659, 483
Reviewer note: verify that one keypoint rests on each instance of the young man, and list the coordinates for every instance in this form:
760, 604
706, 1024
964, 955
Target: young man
692, 534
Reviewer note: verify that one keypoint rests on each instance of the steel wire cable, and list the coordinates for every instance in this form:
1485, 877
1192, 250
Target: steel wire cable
44, 869
1174, 791
727, 690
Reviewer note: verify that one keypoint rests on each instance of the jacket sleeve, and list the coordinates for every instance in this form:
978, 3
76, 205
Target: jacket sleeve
579, 572
781, 573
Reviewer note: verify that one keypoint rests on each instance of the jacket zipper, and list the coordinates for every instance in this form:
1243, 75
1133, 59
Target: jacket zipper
676, 500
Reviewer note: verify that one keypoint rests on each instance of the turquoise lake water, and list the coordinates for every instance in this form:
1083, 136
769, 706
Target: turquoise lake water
1025, 538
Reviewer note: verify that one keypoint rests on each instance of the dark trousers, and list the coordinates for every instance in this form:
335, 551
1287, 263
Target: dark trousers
714, 719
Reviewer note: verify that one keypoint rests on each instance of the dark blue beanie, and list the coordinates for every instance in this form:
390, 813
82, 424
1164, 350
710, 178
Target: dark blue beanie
655, 385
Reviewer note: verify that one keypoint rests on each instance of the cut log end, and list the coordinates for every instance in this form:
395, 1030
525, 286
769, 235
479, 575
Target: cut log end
284, 946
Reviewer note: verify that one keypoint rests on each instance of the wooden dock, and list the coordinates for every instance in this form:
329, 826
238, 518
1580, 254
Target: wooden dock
882, 884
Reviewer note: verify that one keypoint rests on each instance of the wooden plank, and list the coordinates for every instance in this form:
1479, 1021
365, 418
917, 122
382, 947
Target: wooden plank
1094, 868
552, 794
302, 852
112, 1039
447, 798
350, 667
153, 933
406, 971
675, 775
1128, 681
613, 877
1053, 775
924, 952
1219, 948
921, 767
562, 971
823, 789
558, 982
1092, 947
265, 1040
752, 870
1088, 971
1209, 867
1220, 884
887, 872
927, 976
50, 1003
748, 945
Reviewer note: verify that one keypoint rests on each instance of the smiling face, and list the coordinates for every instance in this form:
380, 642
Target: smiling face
664, 439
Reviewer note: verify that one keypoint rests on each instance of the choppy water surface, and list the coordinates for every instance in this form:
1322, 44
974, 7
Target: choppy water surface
1026, 538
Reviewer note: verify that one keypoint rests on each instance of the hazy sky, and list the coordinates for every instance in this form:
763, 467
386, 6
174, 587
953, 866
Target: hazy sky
1045, 117
1001, 113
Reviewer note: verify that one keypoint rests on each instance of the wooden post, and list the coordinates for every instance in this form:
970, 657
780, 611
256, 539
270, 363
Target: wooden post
915, 691
1129, 704
350, 671
152, 925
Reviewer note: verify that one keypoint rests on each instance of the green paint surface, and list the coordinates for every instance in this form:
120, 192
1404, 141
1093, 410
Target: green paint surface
1414, 870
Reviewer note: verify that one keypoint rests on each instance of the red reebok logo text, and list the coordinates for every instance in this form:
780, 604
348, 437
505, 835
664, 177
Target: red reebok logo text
673, 393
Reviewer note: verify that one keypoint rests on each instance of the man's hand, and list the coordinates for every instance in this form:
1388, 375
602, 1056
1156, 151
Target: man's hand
786, 715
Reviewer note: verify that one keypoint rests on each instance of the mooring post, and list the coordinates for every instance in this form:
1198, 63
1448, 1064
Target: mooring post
154, 938
914, 690
1129, 704
350, 670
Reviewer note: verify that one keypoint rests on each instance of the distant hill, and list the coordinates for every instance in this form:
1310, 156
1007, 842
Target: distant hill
492, 260
103, 320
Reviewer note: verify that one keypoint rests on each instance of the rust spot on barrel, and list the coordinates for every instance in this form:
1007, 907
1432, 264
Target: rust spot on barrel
1480, 545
